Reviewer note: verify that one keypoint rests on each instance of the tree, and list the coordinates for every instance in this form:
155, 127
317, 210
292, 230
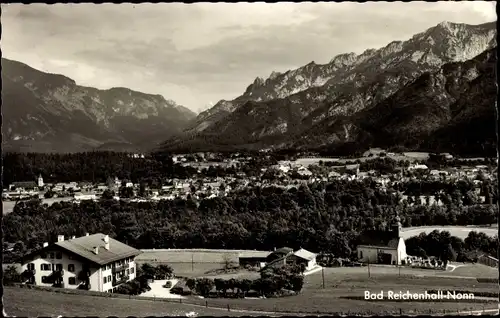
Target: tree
245, 285
164, 272
204, 286
191, 283
220, 285
49, 194
148, 271
11, 275
448, 255
126, 192
108, 194
297, 281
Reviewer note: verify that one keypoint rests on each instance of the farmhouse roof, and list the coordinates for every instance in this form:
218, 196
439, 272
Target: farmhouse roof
305, 254
84, 247
380, 239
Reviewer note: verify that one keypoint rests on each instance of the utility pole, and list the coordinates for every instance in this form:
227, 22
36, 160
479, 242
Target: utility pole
192, 262
323, 276
369, 267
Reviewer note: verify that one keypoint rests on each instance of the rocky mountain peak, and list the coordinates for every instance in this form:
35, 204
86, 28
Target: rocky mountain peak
274, 75
343, 59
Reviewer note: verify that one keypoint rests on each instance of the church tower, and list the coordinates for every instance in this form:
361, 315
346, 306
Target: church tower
396, 227
40, 181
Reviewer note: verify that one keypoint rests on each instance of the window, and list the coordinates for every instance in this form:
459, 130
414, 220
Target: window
44, 279
45, 267
109, 278
72, 281
59, 267
360, 254
127, 272
59, 255
71, 256
31, 267
131, 270
71, 268
51, 255
105, 279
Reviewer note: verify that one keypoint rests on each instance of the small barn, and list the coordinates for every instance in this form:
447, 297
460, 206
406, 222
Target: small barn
278, 254
253, 258
303, 256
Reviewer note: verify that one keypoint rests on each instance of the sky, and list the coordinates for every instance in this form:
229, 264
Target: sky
198, 54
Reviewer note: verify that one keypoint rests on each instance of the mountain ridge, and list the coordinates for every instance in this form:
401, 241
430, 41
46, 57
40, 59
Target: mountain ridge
50, 112
357, 82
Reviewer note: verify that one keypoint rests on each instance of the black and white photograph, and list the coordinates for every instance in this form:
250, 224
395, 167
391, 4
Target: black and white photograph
250, 159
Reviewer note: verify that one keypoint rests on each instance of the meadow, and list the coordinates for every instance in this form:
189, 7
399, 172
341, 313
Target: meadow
459, 231
23, 302
344, 287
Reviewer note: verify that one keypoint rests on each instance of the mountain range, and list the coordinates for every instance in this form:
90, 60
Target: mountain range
45, 112
433, 91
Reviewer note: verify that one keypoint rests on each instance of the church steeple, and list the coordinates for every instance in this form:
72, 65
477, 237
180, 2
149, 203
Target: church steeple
396, 227
40, 180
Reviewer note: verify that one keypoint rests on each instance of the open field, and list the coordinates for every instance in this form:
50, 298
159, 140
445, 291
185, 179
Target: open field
458, 231
35, 303
342, 287
8, 206
192, 262
341, 283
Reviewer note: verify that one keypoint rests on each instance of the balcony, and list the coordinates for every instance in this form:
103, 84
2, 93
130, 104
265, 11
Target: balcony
119, 268
119, 281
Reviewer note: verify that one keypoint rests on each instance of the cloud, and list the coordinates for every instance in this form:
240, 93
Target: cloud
197, 53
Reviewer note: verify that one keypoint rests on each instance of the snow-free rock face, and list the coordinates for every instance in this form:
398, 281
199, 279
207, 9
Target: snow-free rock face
49, 112
278, 110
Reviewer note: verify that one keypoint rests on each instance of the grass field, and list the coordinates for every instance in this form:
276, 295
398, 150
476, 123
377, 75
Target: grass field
352, 282
340, 283
458, 231
8, 206
34, 303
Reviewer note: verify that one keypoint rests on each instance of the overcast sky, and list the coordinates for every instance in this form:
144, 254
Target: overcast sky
197, 54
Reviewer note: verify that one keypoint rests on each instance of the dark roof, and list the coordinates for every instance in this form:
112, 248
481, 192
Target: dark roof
283, 250
374, 238
84, 247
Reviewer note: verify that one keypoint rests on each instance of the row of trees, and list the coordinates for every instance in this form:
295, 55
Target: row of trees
320, 217
273, 282
452, 248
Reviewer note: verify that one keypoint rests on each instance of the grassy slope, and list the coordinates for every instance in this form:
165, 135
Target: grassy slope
339, 282
342, 282
35, 303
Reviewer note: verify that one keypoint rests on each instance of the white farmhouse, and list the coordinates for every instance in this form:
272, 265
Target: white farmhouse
93, 262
